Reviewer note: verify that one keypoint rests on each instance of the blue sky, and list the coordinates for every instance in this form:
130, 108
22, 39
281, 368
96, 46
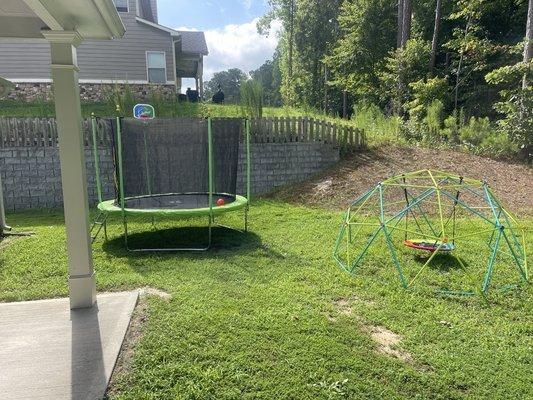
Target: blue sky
230, 30
209, 14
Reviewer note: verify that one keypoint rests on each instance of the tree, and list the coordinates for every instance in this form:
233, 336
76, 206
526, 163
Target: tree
407, 16
528, 46
285, 11
435, 40
366, 36
269, 75
229, 81
400, 25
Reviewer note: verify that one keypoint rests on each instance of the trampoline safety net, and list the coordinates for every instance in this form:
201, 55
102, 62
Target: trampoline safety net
164, 156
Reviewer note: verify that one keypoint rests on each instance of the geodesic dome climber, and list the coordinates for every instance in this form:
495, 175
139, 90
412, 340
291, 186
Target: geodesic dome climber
440, 231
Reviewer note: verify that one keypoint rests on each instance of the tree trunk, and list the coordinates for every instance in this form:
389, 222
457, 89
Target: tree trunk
528, 47
458, 73
406, 24
291, 40
434, 42
400, 24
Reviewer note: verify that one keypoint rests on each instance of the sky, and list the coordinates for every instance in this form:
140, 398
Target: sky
230, 30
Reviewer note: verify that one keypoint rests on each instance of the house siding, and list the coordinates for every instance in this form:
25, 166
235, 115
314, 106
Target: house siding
122, 60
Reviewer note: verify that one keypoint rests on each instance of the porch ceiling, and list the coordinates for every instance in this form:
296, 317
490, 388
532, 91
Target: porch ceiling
92, 19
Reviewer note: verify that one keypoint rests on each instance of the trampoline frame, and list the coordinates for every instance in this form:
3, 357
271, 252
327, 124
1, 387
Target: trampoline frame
112, 206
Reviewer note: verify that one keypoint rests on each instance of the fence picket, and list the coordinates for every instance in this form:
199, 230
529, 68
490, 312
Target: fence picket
42, 132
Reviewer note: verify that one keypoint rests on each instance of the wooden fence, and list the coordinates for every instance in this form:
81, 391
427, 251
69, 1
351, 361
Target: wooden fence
42, 132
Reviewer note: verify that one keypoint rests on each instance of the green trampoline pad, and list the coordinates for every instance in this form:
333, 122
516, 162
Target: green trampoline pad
175, 204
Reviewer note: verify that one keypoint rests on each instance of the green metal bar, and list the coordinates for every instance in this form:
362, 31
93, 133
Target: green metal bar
146, 164
96, 159
248, 162
522, 272
389, 241
492, 260
210, 164
426, 263
120, 166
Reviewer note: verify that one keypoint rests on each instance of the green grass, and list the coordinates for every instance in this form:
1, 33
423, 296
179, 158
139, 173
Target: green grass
256, 318
12, 108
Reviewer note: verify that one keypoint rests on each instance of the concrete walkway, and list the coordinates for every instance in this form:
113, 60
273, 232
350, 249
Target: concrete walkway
48, 351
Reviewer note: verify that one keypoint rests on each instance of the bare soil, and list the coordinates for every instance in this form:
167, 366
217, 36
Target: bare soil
354, 175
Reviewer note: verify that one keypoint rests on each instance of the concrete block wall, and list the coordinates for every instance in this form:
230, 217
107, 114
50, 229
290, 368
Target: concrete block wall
31, 176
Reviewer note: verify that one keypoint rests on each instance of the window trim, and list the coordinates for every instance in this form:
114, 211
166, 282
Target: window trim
127, 7
148, 67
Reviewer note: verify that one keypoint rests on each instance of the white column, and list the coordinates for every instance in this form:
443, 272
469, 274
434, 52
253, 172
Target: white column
201, 76
73, 177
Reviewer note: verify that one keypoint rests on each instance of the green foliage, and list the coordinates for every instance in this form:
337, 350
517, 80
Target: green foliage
517, 104
452, 126
269, 75
481, 137
119, 97
252, 99
425, 93
367, 35
434, 119
377, 126
229, 81
401, 67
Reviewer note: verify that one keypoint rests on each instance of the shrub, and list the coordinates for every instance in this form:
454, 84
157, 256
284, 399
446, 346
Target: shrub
481, 137
251, 99
375, 123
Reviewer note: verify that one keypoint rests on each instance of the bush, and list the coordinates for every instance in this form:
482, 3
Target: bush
377, 126
484, 139
251, 99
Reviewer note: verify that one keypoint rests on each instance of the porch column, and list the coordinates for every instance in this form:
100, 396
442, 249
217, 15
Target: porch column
81, 279
201, 76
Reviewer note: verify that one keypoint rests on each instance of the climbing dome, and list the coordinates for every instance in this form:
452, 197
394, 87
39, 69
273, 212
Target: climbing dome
440, 231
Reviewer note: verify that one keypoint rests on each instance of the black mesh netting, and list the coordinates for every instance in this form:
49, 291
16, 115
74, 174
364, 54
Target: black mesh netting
171, 155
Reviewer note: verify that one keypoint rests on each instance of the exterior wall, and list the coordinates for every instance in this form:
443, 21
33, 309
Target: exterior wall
31, 176
90, 92
123, 59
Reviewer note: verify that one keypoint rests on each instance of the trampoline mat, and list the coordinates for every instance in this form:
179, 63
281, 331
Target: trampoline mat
175, 201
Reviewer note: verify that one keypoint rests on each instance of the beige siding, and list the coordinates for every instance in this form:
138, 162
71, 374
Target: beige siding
123, 59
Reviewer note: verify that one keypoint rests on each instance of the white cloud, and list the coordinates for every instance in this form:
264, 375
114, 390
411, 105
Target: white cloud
238, 46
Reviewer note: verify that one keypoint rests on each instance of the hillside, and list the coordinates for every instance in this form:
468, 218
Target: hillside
357, 173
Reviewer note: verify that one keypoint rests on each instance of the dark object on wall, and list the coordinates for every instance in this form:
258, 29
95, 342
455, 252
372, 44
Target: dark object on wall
182, 97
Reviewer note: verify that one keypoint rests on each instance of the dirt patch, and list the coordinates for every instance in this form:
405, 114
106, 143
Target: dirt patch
133, 335
149, 291
354, 175
387, 342
345, 306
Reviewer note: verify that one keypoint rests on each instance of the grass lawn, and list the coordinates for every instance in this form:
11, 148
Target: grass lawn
269, 315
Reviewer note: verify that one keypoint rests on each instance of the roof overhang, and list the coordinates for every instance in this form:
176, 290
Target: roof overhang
91, 19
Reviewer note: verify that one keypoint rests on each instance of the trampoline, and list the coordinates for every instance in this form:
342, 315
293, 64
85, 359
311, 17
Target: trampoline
174, 168
175, 204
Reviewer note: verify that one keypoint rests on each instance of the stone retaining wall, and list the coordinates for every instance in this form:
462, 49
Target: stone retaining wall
32, 178
90, 92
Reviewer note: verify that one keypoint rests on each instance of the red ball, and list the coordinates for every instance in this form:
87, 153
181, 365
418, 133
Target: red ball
220, 202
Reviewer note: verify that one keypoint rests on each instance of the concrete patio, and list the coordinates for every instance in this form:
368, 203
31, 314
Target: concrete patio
48, 351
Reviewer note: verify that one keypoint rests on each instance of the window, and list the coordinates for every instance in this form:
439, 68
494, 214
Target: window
157, 66
121, 5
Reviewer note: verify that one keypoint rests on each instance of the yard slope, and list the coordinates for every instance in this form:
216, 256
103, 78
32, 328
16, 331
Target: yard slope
357, 173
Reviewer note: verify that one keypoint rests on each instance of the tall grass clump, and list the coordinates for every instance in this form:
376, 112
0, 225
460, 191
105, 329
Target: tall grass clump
251, 99
378, 127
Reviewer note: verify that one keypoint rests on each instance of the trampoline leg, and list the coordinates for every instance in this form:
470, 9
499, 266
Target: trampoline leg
211, 220
246, 219
126, 232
